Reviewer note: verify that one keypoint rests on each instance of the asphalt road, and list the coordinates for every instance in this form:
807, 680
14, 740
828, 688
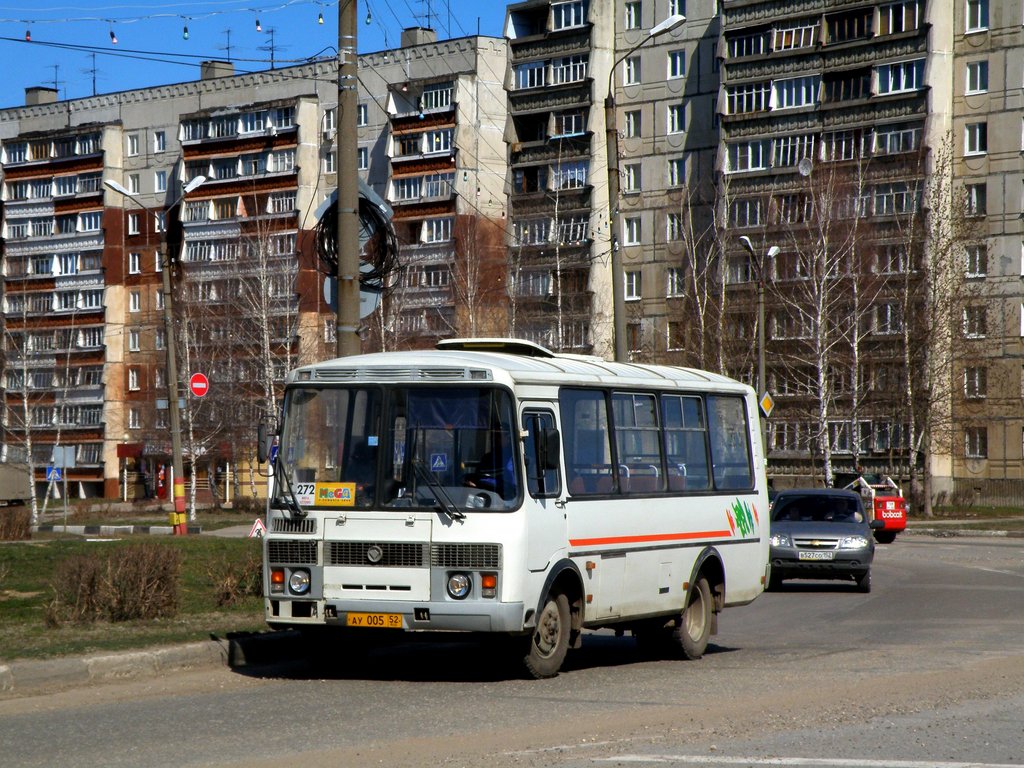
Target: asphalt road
927, 671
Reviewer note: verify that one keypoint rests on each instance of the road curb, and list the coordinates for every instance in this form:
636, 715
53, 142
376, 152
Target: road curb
112, 530
28, 678
949, 533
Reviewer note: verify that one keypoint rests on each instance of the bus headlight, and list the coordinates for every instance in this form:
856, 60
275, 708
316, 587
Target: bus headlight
298, 582
458, 585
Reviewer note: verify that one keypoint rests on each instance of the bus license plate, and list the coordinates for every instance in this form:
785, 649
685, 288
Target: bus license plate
374, 620
817, 556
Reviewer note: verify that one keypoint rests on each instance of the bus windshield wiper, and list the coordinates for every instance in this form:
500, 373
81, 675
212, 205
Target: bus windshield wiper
443, 500
291, 501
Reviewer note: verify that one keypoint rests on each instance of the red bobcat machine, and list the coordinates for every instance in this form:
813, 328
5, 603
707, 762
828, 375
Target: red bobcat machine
883, 500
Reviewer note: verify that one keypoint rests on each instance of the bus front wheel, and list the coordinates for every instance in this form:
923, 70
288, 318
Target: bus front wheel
549, 642
694, 626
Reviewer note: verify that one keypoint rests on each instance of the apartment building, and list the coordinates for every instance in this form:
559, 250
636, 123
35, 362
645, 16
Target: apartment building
83, 299
986, 457
829, 111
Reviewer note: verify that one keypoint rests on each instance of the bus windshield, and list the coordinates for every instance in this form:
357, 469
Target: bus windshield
421, 447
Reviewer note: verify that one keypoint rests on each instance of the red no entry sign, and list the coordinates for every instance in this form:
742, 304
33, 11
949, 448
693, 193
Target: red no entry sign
198, 384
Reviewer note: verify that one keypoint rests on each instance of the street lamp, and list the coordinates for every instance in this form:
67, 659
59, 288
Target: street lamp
612, 148
178, 520
762, 385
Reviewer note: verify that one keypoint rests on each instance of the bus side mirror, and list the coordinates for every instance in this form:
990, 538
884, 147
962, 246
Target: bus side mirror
549, 449
264, 439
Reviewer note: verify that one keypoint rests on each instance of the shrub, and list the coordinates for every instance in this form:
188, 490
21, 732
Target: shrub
15, 524
135, 582
232, 583
76, 591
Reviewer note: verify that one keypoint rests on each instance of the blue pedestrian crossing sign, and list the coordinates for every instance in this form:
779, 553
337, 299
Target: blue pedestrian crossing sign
439, 462
53, 474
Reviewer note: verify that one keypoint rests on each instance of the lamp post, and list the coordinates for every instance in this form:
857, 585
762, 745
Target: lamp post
178, 521
762, 385
612, 148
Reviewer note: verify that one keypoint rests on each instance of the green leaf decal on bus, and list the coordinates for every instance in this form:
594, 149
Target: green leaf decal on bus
742, 518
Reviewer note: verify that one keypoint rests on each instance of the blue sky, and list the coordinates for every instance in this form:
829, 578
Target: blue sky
70, 38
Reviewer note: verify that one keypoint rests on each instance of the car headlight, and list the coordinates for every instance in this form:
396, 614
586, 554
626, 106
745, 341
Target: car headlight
298, 582
853, 542
458, 585
781, 540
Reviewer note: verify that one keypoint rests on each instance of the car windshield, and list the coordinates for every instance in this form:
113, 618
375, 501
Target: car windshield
398, 446
819, 508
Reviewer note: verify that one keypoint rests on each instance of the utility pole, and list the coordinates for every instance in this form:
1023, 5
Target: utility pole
347, 328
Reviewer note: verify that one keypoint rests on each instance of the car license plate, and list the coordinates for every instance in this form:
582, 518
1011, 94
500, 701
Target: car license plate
817, 555
374, 620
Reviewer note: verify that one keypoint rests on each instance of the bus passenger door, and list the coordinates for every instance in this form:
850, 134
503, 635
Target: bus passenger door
545, 518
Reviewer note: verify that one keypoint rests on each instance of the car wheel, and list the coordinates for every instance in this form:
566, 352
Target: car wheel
549, 642
694, 627
864, 581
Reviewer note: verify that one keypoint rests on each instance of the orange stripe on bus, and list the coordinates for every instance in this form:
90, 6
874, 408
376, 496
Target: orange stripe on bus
649, 537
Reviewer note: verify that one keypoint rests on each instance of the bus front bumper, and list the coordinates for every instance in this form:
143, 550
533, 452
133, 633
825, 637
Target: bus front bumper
450, 616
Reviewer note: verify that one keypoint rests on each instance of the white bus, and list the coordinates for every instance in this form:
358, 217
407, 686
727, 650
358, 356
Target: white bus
492, 486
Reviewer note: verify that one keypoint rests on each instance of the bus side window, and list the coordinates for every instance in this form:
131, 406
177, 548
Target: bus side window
543, 451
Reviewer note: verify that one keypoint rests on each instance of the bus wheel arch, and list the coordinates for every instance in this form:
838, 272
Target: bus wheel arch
705, 599
557, 622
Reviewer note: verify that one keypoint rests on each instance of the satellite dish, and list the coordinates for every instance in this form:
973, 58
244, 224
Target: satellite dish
369, 296
805, 166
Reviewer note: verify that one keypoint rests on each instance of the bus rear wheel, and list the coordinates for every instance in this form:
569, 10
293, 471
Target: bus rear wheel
549, 642
694, 627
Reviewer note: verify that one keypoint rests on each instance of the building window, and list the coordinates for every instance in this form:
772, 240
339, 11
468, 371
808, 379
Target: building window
569, 69
675, 282
531, 75
632, 123
567, 15
362, 115
363, 159
133, 340
133, 418
977, 258
133, 379
631, 73
795, 35
135, 301
748, 156
437, 230
900, 17
976, 442
788, 151
975, 322
159, 141
901, 77
676, 64
896, 139
976, 138
977, 15
975, 382
676, 118
977, 199
795, 92
160, 181
676, 171
752, 97
632, 180
675, 334
134, 263
634, 285
634, 336
632, 19
90, 222
674, 227
977, 76
133, 183
631, 230
329, 163
133, 144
